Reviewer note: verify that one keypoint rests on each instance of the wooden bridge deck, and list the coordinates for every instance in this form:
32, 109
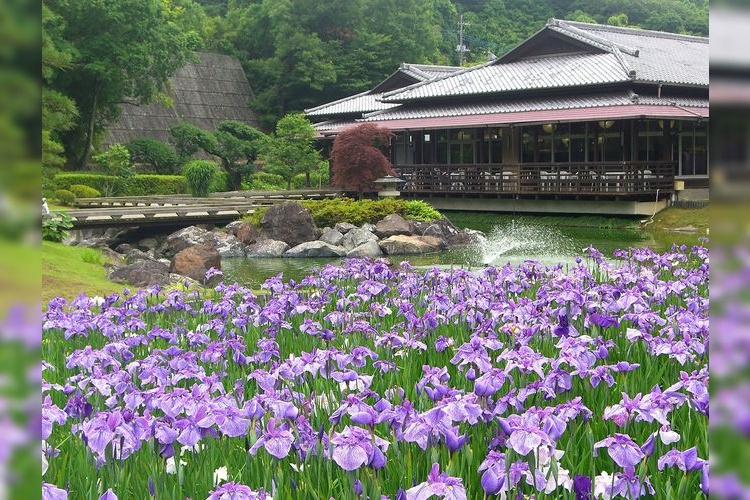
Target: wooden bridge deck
179, 210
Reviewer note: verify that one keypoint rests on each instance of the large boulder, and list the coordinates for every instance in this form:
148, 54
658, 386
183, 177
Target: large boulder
98, 238
147, 244
392, 225
289, 222
445, 230
185, 238
332, 236
247, 233
141, 273
355, 237
405, 245
194, 261
315, 249
267, 248
134, 255
369, 249
233, 227
228, 245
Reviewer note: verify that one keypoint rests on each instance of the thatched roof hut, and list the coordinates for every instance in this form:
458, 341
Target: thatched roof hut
204, 93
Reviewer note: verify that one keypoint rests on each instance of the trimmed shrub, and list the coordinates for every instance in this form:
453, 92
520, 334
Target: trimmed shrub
138, 185
199, 175
153, 184
330, 212
83, 191
65, 197
155, 154
421, 211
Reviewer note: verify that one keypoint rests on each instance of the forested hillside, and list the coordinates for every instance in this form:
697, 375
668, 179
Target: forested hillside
296, 53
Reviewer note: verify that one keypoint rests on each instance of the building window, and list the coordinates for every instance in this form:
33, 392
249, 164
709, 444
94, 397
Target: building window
693, 149
651, 144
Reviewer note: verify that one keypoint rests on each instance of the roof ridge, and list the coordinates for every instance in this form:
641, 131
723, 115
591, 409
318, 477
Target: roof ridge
338, 101
630, 30
385, 95
564, 25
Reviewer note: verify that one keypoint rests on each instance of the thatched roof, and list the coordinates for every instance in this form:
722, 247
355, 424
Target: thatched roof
205, 93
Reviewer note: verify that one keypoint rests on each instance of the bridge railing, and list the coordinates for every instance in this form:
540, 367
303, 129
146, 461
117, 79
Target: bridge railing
594, 179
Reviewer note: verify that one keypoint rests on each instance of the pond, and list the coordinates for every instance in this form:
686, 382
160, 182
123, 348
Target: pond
510, 239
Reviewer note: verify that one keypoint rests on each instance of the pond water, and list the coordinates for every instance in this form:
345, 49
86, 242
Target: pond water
510, 239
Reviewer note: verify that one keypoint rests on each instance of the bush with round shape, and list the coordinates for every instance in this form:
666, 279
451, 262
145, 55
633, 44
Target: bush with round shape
155, 154
83, 191
199, 175
65, 197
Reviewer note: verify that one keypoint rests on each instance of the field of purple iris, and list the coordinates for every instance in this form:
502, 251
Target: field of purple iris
371, 380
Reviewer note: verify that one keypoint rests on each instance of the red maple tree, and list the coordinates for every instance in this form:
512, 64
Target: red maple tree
357, 160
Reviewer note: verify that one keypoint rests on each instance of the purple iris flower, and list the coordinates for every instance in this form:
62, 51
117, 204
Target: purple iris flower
629, 485
276, 441
489, 383
582, 487
438, 484
108, 495
355, 447
493, 477
52, 492
687, 460
622, 449
526, 434
236, 491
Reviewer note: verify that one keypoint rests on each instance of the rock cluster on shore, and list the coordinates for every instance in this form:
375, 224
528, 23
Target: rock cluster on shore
286, 230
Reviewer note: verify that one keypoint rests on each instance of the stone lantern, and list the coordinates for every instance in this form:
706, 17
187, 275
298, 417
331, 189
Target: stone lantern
388, 186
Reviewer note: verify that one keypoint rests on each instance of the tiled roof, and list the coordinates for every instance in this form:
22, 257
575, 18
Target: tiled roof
622, 54
356, 104
661, 57
406, 112
366, 102
547, 72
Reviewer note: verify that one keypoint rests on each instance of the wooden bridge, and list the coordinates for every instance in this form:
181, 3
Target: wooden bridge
180, 210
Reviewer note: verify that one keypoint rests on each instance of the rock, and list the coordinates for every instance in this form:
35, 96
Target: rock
184, 238
403, 245
332, 236
109, 237
289, 222
135, 255
267, 248
232, 227
147, 244
392, 225
247, 233
344, 227
123, 248
228, 245
445, 230
368, 227
193, 262
434, 241
356, 237
141, 273
369, 249
315, 249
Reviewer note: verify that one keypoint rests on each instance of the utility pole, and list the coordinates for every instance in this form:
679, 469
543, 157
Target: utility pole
461, 48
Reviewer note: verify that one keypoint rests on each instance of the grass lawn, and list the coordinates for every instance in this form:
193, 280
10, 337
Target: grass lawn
66, 274
673, 218
18, 281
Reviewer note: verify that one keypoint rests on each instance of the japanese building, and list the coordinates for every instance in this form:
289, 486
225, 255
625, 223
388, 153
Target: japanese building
577, 113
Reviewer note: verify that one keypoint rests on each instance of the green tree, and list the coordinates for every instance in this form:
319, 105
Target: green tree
115, 164
236, 144
123, 49
58, 111
292, 151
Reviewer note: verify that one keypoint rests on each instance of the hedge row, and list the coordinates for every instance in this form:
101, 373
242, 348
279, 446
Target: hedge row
327, 213
138, 185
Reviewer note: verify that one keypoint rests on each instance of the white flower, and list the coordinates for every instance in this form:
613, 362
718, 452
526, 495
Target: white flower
172, 465
603, 486
297, 468
45, 465
667, 435
220, 475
